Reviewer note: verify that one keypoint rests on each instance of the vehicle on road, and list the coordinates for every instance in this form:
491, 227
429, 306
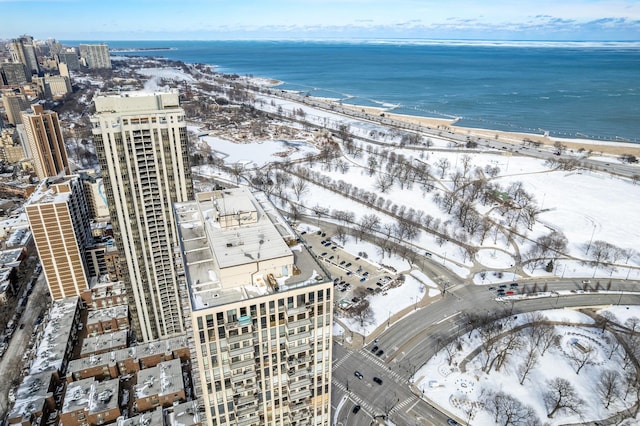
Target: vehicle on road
370, 290
356, 409
380, 352
374, 349
452, 422
378, 380
491, 288
358, 375
348, 265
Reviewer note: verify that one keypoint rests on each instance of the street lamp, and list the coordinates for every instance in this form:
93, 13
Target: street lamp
591, 239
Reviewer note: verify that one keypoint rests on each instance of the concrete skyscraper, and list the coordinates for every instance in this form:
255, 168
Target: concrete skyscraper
141, 140
96, 56
46, 143
260, 309
23, 51
59, 220
14, 104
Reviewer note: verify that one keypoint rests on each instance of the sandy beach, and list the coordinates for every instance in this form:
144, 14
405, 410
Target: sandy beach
596, 147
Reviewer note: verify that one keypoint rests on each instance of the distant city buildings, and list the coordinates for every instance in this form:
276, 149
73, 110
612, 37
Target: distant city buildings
23, 51
14, 104
260, 311
46, 144
141, 141
14, 74
59, 221
95, 56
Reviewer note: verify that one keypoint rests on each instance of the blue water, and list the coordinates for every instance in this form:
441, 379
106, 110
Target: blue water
572, 90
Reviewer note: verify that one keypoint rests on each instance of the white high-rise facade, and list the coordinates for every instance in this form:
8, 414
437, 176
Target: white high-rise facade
141, 139
260, 310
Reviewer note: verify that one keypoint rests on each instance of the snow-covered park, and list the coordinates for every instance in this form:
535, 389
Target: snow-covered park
565, 369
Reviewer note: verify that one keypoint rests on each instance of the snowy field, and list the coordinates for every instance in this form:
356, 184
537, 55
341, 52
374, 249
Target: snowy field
460, 385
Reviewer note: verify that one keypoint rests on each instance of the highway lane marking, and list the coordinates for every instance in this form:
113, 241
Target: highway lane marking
448, 318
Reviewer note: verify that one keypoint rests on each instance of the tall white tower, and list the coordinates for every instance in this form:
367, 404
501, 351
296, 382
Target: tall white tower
141, 139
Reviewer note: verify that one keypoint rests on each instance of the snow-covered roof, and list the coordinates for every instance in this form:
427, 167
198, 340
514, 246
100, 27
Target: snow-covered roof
237, 230
103, 343
32, 394
91, 396
185, 414
57, 336
163, 379
113, 312
149, 418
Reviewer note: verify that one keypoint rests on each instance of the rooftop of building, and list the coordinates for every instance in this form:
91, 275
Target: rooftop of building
159, 347
7, 257
56, 336
107, 314
163, 379
91, 396
31, 394
237, 228
103, 343
185, 414
135, 101
52, 190
150, 418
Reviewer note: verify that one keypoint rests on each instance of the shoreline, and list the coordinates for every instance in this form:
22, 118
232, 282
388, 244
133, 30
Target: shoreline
515, 138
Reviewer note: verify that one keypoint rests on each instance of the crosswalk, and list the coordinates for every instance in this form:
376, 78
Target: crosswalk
380, 363
364, 406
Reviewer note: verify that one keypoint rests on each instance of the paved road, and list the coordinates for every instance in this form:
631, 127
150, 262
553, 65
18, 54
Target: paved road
410, 342
10, 365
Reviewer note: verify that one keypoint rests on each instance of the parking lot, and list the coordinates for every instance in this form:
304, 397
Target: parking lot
353, 276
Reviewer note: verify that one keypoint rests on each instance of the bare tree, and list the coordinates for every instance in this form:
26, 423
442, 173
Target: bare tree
579, 355
363, 313
506, 410
609, 386
369, 223
384, 182
561, 396
443, 165
530, 361
300, 188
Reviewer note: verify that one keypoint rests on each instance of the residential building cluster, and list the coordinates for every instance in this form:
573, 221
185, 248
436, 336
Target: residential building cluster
169, 307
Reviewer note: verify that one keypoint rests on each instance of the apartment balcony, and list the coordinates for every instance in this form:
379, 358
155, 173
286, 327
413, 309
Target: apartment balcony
246, 410
298, 323
241, 351
246, 337
299, 383
297, 310
248, 421
295, 395
292, 350
242, 363
300, 372
247, 375
243, 400
298, 336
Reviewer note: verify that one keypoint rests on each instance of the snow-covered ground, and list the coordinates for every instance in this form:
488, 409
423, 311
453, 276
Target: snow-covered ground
459, 392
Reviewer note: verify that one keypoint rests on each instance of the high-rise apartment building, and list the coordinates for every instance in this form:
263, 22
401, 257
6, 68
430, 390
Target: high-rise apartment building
96, 56
46, 143
69, 57
15, 74
22, 50
59, 221
141, 140
260, 309
14, 104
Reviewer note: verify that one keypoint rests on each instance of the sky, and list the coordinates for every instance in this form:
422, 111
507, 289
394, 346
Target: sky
304, 19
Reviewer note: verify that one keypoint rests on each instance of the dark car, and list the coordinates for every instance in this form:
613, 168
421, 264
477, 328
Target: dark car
378, 380
380, 352
356, 409
503, 286
369, 289
374, 349
348, 265
514, 284
343, 262
358, 375
452, 422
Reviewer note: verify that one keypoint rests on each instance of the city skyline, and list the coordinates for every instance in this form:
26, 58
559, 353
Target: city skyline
286, 19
